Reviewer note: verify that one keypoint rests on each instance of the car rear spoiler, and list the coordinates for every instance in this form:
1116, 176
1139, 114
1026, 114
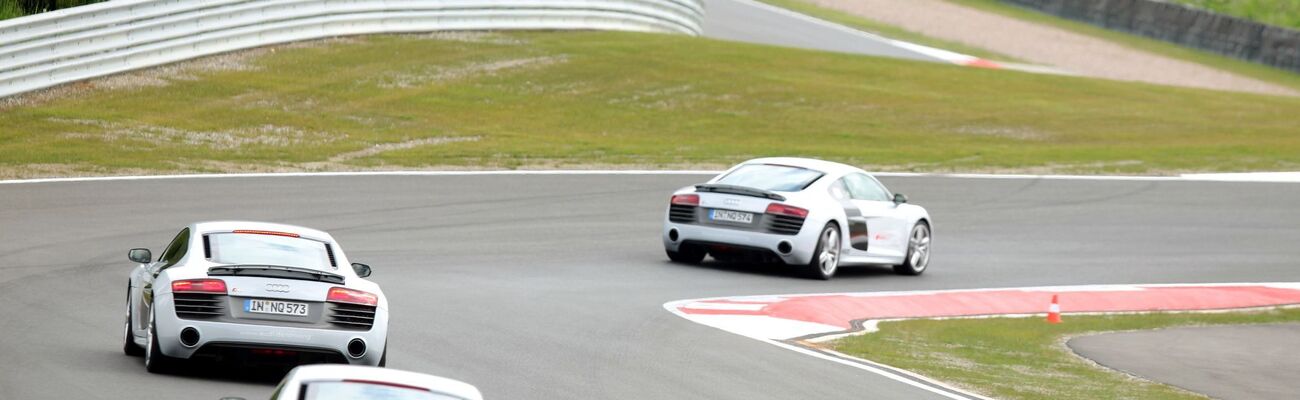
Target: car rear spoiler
276, 271
740, 190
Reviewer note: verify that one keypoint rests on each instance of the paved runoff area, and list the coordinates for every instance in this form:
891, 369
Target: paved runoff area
1248, 362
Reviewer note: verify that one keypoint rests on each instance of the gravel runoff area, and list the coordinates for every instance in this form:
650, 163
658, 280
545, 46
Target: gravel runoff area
1040, 44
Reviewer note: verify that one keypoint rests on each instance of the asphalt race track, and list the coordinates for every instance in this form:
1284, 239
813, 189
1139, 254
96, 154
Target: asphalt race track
753, 22
551, 286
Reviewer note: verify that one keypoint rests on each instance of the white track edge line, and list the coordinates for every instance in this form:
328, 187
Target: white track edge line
1184, 178
671, 307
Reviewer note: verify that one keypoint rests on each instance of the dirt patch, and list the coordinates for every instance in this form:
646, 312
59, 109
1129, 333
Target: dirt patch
440, 74
1041, 44
265, 135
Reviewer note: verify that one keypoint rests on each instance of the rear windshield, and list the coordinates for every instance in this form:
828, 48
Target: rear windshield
247, 248
776, 178
366, 390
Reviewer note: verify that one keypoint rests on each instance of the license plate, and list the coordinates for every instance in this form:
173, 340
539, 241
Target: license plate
275, 307
731, 216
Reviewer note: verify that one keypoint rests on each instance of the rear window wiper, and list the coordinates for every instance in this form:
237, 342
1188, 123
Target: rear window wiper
740, 190
275, 271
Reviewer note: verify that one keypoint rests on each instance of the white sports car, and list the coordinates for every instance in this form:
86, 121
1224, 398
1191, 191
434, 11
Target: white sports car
253, 292
798, 211
349, 382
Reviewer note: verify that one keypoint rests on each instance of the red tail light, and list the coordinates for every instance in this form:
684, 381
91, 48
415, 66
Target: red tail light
382, 383
782, 209
345, 295
686, 199
272, 233
216, 286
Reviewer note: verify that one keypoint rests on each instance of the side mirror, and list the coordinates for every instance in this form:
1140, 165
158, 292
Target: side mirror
899, 198
142, 256
361, 269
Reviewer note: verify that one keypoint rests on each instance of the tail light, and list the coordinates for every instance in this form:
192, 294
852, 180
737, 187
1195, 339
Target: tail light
686, 199
384, 383
215, 286
345, 295
272, 233
782, 209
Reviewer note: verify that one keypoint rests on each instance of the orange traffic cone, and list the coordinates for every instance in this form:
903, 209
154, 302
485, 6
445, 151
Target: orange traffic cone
1054, 312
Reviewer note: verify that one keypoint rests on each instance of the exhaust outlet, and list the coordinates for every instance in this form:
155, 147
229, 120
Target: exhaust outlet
672, 234
189, 336
356, 348
784, 247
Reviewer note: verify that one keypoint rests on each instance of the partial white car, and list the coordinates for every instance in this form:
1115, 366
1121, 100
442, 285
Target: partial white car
818, 215
347, 382
253, 292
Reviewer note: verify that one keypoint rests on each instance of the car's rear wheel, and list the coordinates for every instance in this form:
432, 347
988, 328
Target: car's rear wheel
687, 254
383, 360
826, 258
128, 346
154, 360
918, 251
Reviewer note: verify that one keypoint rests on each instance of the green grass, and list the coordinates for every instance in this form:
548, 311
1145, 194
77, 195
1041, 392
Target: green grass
10, 9
555, 99
1025, 358
1284, 13
1229, 64
886, 30
14, 8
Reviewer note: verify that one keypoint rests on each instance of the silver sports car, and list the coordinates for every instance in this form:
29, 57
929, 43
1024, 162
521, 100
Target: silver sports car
811, 213
254, 292
350, 382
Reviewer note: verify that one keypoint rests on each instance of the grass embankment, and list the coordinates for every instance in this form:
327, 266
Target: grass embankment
1283, 13
550, 99
1026, 358
1229, 64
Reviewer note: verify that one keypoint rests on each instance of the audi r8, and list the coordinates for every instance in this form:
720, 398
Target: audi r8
814, 214
253, 292
348, 382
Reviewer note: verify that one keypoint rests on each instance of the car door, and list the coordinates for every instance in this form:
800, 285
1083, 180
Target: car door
877, 209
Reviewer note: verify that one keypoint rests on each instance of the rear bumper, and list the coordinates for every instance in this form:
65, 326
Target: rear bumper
215, 336
800, 253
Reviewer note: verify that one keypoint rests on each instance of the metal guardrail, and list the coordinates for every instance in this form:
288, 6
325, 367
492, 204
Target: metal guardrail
79, 43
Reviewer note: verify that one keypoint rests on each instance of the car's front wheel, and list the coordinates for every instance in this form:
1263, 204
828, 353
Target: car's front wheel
918, 251
687, 254
128, 346
154, 360
826, 257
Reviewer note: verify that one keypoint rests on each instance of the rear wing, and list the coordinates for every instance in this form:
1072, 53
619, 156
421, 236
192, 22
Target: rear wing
740, 190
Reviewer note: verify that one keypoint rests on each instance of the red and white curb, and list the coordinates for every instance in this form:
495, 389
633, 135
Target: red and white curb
792, 321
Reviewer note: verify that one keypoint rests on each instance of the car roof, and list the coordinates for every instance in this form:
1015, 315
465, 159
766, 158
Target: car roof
227, 226
829, 167
338, 372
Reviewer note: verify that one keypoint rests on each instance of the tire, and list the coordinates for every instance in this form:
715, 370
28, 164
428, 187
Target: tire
383, 360
154, 360
128, 346
826, 258
918, 251
686, 254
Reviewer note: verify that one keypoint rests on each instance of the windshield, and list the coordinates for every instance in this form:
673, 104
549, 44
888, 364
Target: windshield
776, 178
242, 248
370, 391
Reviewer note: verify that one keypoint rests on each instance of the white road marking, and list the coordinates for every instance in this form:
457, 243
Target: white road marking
1262, 177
